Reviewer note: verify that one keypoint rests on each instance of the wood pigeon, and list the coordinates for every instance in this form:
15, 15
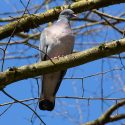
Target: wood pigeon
56, 40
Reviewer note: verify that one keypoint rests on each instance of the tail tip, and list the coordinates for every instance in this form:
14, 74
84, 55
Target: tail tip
45, 104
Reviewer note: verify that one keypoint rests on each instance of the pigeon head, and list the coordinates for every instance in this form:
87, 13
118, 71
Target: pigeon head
67, 13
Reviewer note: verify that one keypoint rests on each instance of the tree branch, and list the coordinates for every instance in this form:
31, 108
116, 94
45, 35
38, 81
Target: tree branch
32, 21
15, 74
106, 117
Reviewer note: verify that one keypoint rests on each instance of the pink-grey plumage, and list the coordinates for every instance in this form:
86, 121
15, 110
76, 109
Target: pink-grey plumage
56, 40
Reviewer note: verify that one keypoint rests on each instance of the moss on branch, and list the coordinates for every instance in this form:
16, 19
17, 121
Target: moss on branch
27, 22
75, 59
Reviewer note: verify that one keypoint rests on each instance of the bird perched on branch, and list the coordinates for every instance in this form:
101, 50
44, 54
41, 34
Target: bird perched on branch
56, 40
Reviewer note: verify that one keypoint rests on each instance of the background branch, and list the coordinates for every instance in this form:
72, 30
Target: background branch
34, 20
106, 117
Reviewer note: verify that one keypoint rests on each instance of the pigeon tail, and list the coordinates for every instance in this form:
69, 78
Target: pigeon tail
45, 104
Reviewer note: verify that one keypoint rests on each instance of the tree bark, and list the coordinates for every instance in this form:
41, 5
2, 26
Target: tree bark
62, 63
27, 22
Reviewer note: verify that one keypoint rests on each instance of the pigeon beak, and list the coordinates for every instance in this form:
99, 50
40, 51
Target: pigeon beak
74, 16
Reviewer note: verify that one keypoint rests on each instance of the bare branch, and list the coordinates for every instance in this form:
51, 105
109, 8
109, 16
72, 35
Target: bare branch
106, 117
32, 21
75, 59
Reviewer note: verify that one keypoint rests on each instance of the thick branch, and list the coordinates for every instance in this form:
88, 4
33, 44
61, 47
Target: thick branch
106, 117
32, 21
75, 59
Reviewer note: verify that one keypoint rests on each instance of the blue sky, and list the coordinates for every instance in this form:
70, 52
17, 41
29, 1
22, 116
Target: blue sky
67, 111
